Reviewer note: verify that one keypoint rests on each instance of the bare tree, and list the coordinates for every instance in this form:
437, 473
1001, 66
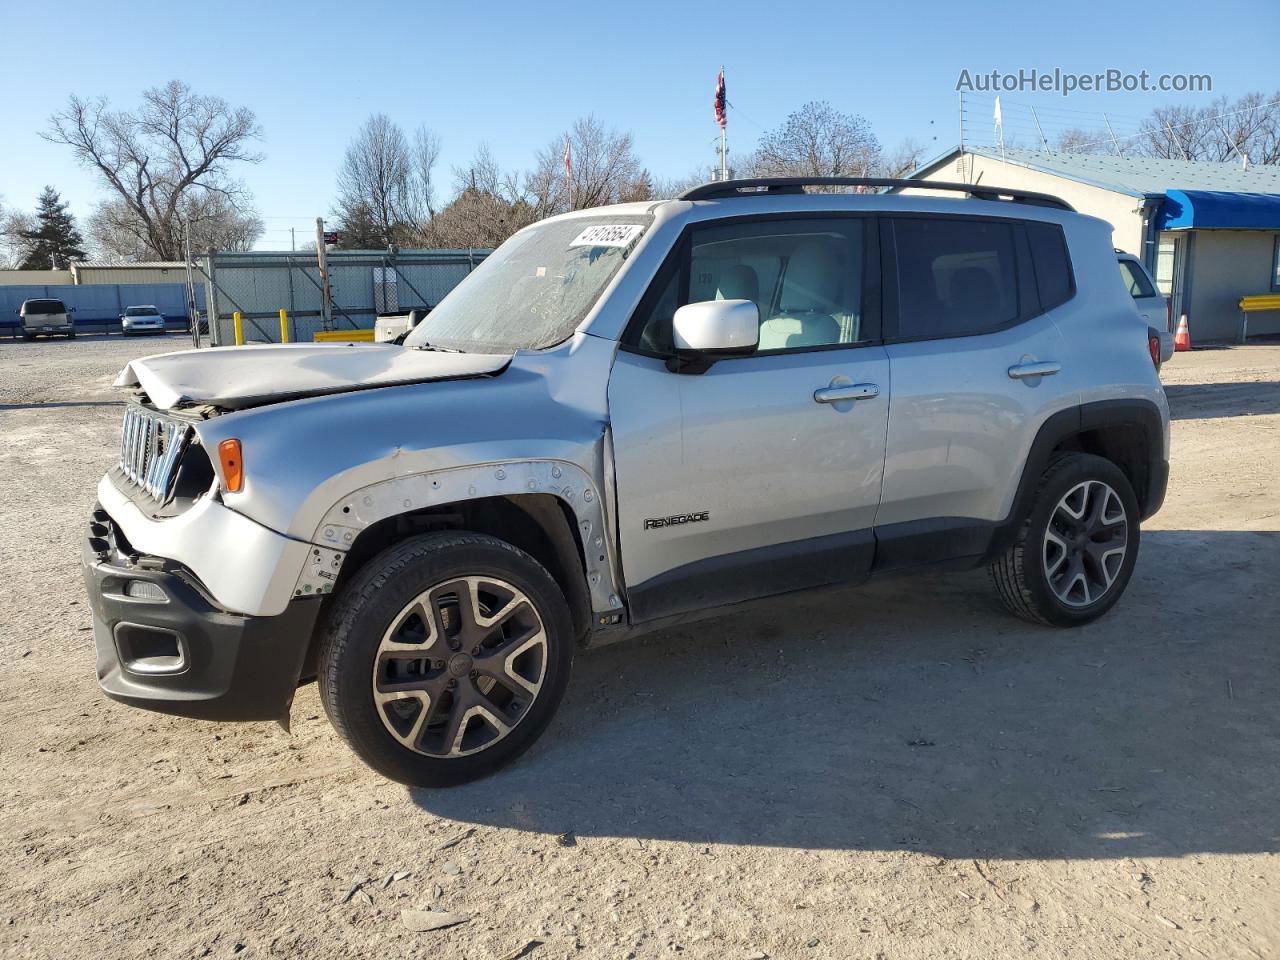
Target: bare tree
117, 234
1251, 126
1220, 131
422, 188
1178, 132
664, 188
603, 167
489, 205
13, 224
1079, 140
906, 159
386, 185
819, 141
177, 147
374, 179
639, 189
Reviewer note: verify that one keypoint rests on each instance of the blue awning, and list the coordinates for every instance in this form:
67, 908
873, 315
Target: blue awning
1219, 210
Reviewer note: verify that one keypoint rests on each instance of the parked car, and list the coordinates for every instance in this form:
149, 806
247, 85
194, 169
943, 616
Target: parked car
627, 417
141, 319
1153, 307
45, 316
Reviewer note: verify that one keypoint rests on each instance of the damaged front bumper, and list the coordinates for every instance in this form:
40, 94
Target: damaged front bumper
163, 643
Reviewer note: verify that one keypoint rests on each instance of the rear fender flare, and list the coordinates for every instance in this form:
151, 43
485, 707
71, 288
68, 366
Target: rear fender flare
1070, 423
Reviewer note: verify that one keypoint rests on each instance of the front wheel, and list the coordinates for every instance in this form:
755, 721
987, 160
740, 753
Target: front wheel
445, 658
1075, 551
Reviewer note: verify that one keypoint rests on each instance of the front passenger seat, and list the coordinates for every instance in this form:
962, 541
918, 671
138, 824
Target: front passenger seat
739, 282
810, 288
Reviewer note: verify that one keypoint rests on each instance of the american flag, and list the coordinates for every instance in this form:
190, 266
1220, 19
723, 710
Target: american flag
568, 165
721, 115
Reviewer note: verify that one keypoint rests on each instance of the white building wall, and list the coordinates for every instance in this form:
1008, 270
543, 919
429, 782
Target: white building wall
26, 277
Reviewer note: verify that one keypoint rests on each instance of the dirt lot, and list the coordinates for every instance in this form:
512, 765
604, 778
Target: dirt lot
901, 772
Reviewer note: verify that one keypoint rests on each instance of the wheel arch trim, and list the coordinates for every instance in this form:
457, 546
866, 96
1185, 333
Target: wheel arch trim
568, 482
1073, 422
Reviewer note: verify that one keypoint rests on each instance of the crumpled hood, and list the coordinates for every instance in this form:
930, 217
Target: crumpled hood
240, 377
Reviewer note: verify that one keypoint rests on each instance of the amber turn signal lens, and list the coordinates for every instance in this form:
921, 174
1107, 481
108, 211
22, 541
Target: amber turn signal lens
232, 465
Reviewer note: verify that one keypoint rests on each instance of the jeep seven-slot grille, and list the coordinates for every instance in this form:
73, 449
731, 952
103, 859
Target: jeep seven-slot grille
150, 446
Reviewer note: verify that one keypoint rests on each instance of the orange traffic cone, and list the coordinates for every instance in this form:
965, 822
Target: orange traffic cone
1182, 339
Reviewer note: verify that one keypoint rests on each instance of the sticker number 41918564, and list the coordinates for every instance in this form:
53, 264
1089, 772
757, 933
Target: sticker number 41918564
608, 235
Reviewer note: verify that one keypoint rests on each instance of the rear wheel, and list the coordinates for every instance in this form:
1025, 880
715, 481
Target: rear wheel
445, 658
1075, 551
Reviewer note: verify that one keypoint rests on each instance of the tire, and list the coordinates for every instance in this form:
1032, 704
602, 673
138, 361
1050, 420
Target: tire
376, 696
1063, 570
71, 335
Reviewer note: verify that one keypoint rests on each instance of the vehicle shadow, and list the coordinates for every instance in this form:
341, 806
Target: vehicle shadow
1204, 401
915, 714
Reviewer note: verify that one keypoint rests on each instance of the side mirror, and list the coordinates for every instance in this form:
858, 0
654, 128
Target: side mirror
717, 328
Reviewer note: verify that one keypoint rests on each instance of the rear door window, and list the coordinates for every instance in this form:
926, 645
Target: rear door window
957, 276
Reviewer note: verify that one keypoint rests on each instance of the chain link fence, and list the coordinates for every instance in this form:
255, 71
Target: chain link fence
363, 284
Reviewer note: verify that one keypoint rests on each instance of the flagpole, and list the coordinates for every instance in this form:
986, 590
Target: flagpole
722, 117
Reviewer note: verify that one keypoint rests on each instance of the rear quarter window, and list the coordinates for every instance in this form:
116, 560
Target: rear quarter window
1052, 263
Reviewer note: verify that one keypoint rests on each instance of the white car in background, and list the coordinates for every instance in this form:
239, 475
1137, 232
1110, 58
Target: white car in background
144, 318
1153, 307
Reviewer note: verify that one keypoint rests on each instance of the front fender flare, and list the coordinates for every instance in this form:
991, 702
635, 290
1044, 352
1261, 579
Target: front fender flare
365, 506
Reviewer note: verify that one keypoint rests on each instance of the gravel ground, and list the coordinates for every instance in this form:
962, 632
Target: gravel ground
855, 774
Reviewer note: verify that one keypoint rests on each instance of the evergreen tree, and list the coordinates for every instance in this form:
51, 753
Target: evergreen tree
55, 241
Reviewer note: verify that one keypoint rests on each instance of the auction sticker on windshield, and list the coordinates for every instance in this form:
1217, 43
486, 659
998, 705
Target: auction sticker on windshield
609, 235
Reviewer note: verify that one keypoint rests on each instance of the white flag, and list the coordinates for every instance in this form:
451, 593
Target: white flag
996, 115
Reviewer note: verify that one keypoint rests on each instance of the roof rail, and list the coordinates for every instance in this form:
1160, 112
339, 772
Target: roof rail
724, 189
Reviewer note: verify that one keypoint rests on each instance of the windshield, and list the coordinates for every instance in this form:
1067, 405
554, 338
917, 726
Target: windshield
141, 312
534, 290
43, 306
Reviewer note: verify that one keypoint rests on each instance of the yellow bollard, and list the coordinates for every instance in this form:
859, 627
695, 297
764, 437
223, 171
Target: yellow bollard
235, 319
284, 327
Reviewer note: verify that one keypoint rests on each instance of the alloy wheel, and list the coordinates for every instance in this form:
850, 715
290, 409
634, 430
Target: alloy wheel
460, 666
1085, 543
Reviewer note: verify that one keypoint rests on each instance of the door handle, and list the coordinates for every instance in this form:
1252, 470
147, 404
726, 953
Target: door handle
1045, 368
852, 391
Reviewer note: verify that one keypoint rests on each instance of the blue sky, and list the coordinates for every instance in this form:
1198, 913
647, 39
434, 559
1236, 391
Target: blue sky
515, 74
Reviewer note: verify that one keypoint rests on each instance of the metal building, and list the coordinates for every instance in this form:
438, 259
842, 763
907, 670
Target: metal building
139, 272
363, 284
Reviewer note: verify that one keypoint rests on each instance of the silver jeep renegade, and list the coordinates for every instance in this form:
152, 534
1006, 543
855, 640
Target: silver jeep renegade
627, 416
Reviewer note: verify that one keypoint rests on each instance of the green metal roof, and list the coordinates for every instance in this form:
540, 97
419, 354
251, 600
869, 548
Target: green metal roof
1135, 176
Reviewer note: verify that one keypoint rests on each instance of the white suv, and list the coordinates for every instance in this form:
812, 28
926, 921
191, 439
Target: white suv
626, 416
